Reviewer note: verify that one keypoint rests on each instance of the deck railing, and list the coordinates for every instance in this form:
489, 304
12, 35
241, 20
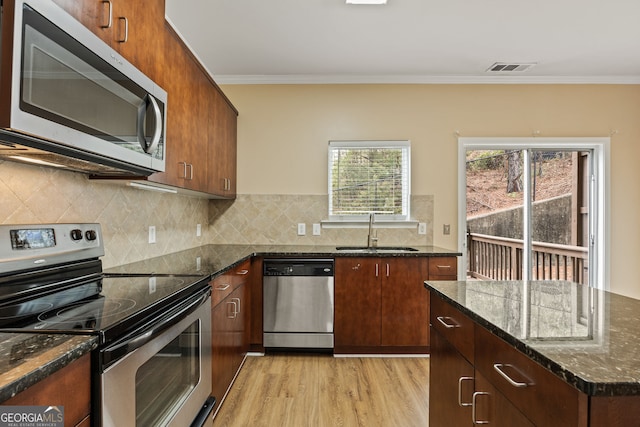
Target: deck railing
500, 258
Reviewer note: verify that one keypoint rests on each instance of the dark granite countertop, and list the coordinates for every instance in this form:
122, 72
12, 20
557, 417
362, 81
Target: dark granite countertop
216, 259
588, 338
26, 359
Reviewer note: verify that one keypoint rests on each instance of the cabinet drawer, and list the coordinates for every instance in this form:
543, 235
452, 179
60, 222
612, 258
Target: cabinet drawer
443, 268
454, 326
541, 396
223, 285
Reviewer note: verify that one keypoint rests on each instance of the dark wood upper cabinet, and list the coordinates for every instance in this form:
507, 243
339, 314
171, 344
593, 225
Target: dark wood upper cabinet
201, 134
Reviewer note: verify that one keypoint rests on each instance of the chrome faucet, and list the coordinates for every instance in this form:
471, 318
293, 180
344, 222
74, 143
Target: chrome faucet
372, 240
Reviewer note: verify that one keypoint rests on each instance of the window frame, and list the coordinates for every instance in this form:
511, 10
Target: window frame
405, 145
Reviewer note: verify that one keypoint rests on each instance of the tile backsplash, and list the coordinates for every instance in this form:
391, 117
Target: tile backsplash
273, 219
33, 195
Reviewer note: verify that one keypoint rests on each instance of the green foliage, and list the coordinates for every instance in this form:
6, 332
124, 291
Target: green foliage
479, 160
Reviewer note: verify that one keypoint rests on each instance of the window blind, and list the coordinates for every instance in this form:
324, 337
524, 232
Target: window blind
369, 177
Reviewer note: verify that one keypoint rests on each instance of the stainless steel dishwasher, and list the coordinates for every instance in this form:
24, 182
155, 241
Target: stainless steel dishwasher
298, 303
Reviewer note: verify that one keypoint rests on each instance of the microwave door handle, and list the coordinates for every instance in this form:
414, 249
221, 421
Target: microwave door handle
155, 330
157, 132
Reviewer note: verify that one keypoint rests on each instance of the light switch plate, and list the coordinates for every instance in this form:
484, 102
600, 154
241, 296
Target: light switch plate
198, 230
152, 234
446, 229
316, 229
302, 229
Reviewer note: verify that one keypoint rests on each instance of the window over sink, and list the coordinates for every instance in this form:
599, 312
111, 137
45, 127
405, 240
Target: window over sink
368, 177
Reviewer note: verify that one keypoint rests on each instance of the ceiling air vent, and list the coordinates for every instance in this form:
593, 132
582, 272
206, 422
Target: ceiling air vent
510, 67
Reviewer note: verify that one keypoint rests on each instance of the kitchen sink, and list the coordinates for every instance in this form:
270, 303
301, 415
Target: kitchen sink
366, 249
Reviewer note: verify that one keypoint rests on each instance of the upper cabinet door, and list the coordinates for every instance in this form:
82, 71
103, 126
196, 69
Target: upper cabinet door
133, 28
223, 122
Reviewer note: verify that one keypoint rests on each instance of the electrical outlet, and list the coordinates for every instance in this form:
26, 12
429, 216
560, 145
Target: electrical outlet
316, 229
302, 229
198, 230
422, 228
152, 284
152, 234
198, 263
446, 229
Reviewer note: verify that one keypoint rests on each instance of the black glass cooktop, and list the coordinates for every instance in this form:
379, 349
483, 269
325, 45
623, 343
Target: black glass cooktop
123, 303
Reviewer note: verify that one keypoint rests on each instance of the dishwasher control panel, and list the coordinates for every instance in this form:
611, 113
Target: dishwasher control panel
298, 267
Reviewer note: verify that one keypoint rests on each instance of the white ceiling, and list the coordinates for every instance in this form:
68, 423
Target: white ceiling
407, 41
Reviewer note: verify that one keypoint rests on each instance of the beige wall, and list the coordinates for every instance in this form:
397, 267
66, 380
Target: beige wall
283, 132
282, 150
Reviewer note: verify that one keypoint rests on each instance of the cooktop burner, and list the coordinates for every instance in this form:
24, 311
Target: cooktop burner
81, 310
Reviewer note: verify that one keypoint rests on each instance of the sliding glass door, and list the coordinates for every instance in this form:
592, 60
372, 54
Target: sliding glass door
533, 209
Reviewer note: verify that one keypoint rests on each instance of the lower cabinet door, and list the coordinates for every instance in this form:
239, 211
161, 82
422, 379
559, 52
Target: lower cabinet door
223, 347
493, 408
229, 340
450, 385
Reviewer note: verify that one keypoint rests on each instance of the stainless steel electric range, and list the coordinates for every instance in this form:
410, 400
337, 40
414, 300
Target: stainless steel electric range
153, 362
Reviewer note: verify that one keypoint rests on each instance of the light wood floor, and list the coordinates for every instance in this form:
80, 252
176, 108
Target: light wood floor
297, 390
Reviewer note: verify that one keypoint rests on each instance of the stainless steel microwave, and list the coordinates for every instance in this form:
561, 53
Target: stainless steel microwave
68, 99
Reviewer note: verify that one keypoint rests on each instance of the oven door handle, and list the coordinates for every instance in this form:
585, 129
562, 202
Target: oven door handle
153, 330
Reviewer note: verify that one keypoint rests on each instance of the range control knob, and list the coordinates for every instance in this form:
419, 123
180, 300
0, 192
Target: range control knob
90, 235
76, 234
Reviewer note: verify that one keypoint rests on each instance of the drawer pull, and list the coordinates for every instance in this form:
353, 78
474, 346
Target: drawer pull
222, 287
474, 405
242, 272
440, 267
498, 367
460, 381
447, 325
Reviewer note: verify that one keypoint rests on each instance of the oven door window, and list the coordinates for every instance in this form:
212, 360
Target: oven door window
167, 379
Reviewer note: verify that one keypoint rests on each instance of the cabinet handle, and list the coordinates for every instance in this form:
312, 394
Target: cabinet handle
498, 367
447, 325
388, 269
223, 287
186, 166
460, 381
126, 29
242, 272
109, 14
474, 405
377, 269
238, 307
441, 267
233, 313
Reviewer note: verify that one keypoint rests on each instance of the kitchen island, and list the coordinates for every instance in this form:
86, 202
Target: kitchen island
534, 353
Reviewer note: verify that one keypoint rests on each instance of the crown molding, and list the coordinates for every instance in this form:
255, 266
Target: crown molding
418, 79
